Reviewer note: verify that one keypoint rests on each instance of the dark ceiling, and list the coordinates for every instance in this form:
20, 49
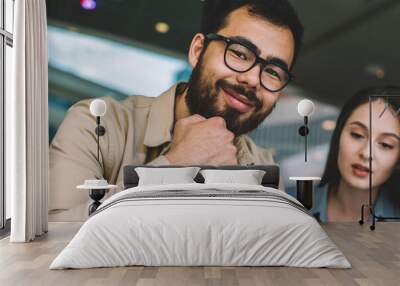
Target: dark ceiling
348, 44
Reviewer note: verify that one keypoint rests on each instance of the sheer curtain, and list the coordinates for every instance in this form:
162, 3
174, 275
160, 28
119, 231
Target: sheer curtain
27, 123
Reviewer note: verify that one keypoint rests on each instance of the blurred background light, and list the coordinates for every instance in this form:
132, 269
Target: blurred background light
88, 4
162, 27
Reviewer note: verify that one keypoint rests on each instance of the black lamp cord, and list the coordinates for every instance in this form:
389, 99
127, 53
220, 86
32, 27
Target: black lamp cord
98, 138
305, 137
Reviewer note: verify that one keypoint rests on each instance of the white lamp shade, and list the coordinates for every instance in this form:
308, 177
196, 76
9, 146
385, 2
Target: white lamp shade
98, 107
305, 107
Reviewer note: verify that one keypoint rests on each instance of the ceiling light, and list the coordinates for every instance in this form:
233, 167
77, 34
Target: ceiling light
73, 29
377, 71
328, 125
162, 27
380, 73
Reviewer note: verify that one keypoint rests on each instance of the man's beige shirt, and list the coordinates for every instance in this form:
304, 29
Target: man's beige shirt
133, 126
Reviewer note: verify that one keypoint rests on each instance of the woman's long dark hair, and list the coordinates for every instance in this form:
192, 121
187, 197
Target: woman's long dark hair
331, 175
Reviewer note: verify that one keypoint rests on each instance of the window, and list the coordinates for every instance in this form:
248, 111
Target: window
6, 43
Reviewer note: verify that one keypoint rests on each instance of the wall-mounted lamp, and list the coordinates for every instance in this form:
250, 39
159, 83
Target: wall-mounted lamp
98, 108
305, 108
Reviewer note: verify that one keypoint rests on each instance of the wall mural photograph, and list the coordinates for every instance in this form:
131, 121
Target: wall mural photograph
164, 69
201, 133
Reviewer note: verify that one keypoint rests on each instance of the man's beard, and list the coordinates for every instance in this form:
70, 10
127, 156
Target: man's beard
202, 99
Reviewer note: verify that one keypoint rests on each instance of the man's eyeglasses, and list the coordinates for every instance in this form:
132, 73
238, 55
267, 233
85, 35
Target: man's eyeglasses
239, 57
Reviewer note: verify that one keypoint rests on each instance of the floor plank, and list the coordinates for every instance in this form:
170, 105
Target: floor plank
375, 257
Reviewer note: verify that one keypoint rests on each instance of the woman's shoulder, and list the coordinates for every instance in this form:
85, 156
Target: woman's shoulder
388, 203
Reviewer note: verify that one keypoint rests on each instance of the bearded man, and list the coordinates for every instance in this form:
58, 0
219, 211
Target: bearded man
241, 62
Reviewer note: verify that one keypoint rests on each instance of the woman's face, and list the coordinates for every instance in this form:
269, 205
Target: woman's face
354, 145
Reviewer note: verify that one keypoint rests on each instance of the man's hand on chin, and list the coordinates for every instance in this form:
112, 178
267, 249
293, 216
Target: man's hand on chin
201, 141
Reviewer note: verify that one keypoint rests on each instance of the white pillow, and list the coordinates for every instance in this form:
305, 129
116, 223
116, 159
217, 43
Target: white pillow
248, 177
162, 176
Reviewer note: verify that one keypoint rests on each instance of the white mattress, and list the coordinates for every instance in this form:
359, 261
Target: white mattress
201, 225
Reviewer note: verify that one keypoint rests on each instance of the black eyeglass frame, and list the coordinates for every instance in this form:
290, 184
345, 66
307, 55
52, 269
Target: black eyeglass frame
259, 60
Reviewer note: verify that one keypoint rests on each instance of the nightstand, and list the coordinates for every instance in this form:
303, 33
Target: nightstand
97, 190
305, 190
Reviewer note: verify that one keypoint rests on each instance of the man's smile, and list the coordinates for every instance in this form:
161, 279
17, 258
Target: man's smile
237, 101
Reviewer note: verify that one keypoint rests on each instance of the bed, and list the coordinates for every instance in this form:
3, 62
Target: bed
201, 224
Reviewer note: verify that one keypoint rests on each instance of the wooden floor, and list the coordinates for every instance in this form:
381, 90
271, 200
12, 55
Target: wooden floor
375, 257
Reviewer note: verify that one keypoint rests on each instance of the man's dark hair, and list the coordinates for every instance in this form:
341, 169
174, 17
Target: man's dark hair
278, 12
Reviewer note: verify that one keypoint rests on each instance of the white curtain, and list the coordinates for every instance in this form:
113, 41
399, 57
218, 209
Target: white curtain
27, 123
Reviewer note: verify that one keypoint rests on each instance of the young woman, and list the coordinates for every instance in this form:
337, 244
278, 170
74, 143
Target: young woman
344, 187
